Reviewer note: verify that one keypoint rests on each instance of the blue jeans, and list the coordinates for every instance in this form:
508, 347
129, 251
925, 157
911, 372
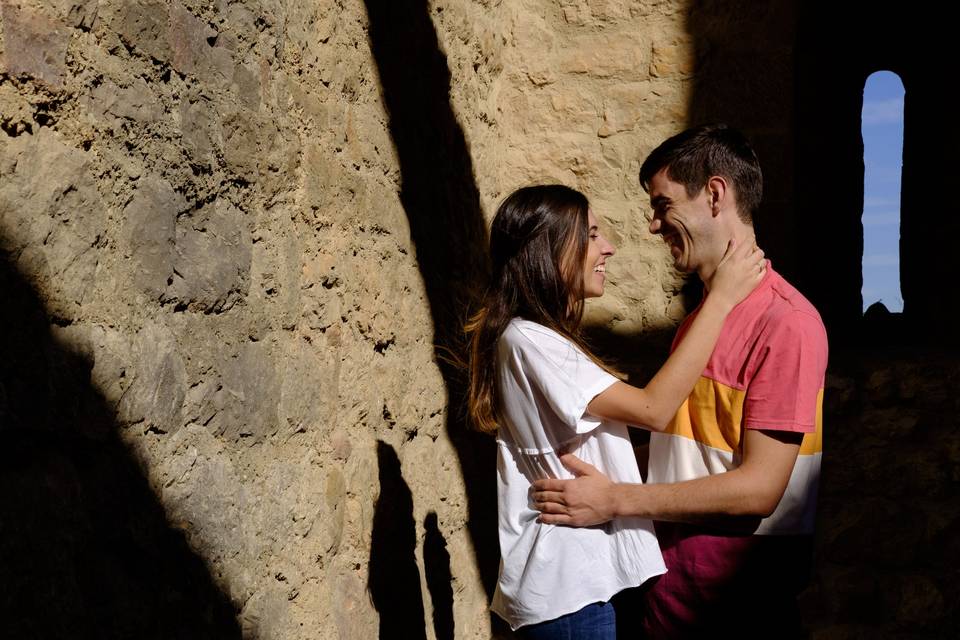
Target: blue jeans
595, 621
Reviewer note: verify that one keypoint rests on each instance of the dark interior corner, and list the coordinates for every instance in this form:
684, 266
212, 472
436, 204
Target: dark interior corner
791, 75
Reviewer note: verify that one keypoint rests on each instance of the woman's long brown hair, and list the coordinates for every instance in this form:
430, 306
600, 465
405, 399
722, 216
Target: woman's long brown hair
538, 243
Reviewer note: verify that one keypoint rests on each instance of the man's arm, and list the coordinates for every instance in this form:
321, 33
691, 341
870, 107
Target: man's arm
753, 489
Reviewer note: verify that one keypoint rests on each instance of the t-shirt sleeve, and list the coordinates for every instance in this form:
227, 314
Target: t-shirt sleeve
788, 376
564, 377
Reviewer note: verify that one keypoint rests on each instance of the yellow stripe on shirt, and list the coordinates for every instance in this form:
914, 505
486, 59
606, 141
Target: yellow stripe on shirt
717, 415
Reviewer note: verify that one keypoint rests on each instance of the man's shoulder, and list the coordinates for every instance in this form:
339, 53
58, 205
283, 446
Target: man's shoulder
787, 304
783, 315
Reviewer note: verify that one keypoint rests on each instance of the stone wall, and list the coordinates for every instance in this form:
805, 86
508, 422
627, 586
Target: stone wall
888, 520
221, 216
590, 88
200, 218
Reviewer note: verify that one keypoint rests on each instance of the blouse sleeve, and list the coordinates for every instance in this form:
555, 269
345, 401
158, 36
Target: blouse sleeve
565, 378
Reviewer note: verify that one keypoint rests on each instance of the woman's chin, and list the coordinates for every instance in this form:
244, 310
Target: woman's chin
593, 293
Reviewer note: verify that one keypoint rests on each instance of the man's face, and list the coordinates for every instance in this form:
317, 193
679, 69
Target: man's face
682, 222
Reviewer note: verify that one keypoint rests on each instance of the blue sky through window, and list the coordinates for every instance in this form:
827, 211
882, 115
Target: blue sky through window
882, 129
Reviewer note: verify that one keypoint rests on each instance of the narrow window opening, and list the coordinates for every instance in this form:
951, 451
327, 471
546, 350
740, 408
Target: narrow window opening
882, 130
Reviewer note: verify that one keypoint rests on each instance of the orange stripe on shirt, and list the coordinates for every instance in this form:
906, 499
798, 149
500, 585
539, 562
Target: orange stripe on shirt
714, 405
813, 442
717, 417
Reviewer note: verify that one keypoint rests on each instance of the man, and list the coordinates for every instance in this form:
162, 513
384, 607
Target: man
733, 478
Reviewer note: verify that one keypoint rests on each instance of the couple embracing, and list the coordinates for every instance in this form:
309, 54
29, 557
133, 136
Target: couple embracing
734, 413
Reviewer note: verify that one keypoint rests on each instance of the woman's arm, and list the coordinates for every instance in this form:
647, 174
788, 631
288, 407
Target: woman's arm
653, 406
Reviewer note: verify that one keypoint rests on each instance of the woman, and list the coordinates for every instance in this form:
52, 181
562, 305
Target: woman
536, 385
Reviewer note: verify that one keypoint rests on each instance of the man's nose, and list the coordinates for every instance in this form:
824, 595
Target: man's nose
655, 225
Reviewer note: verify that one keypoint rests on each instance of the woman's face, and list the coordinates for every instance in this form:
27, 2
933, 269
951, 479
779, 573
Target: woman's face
594, 264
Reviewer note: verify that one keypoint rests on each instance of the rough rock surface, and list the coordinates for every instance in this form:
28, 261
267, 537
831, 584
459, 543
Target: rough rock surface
199, 208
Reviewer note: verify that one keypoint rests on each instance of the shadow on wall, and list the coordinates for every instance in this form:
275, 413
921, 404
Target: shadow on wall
394, 576
728, 37
85, 547
442, 204
744, 76
436, 563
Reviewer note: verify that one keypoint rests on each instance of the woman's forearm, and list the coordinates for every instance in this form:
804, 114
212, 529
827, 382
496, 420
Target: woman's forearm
675, 380
653, 406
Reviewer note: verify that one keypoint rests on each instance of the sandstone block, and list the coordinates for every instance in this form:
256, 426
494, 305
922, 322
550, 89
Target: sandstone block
211, 261
150, 228
206, 496
341, 446
136, 102
604, 12
623, 106
16, 113
326, 181
635, 106
52, 217
241, 145
307, 506
77, 13
200, 129
141, 24
531, 31
190, 40
673, 58
921, 601
34, 44
606, 55
308, 387
246, 84
201, 401
881, 387
277, 488
335, 496
265, 613
250, 395
156, 394
111, 358
352, 607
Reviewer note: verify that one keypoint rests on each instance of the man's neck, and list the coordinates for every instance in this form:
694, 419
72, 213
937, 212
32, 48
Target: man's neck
739, 232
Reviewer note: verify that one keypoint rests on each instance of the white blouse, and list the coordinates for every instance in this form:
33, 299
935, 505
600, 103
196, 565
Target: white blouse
546, 571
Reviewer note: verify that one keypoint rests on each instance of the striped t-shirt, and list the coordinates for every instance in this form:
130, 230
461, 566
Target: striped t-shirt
766, 372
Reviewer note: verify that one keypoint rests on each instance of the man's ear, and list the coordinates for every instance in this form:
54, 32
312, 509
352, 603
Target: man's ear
718, 193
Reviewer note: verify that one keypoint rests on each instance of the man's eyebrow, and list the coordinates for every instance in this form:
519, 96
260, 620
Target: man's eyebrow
594, 228
657, 201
